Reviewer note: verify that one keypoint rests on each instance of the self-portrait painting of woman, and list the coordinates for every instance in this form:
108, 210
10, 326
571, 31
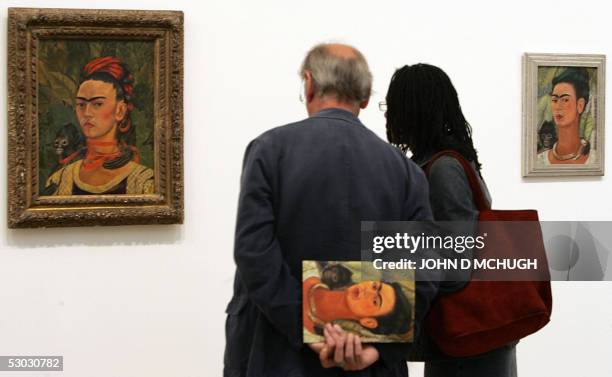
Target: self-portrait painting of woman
98, 146
563, 115
95, 117
567, 108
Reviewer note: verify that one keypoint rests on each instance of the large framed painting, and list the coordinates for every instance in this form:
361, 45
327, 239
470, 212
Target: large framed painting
563, 115
95, 117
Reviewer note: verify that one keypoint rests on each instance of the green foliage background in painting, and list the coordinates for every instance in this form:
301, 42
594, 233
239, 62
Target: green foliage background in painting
587, 120
59, 67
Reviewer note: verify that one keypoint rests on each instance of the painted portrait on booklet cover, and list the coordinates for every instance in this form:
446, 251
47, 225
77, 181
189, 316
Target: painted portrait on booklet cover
378, 306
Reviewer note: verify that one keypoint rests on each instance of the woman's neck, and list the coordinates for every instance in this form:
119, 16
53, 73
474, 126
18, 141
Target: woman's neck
329, 305
102, 146
568, 139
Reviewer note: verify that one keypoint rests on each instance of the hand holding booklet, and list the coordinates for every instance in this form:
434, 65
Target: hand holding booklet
376, 305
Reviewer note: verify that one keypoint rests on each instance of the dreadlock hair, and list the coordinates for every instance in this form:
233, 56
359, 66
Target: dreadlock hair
424, 115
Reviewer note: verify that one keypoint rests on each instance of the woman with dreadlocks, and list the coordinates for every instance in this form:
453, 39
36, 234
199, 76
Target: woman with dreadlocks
424, 116
109, 164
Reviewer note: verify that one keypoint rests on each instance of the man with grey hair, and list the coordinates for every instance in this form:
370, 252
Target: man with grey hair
336, 76
305, 187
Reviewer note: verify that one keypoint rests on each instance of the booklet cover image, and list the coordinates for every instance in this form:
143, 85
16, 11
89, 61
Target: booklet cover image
376, 305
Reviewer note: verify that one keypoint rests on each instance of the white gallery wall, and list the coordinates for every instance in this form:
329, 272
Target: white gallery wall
149, 300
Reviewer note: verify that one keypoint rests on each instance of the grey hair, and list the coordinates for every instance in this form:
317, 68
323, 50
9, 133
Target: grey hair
347, 78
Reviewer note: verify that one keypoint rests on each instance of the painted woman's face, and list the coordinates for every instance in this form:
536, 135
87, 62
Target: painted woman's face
370, 299
566, 108
98, 110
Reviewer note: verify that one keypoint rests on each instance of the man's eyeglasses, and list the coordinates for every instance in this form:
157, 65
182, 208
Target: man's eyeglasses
382, 106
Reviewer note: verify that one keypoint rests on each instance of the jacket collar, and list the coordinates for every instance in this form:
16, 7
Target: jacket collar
335, 113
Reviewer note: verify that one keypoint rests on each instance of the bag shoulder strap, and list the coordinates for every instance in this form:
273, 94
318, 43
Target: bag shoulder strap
479, 197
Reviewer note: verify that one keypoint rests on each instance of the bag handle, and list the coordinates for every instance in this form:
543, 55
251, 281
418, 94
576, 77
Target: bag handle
470, 172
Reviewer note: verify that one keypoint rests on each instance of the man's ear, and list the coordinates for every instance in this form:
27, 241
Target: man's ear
581, 105
368, 322
363, 104
308, 86
120, 111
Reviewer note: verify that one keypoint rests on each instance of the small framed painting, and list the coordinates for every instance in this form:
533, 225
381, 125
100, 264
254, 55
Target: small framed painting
563, 115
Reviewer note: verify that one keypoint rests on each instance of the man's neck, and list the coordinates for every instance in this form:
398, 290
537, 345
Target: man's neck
321, 103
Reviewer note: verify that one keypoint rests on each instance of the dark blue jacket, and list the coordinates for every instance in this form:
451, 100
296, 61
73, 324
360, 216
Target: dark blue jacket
305, 187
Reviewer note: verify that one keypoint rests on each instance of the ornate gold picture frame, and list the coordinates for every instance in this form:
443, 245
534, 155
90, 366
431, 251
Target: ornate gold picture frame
95, 117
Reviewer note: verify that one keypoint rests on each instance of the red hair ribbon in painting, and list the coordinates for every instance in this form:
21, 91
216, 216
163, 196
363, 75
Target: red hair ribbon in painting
113, 67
